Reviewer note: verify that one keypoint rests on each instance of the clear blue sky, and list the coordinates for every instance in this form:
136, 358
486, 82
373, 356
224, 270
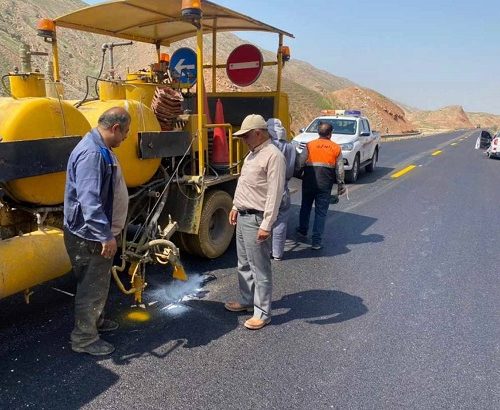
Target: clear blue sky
427, 53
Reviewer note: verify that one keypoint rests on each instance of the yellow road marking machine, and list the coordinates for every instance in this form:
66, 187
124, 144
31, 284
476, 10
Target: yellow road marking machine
179, 197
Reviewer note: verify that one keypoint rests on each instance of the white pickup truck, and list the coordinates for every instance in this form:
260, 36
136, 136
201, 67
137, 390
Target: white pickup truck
360, 145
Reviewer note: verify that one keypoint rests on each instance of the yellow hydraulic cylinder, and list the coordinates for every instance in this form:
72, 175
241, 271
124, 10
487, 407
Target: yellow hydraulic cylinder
27, 85
31, 259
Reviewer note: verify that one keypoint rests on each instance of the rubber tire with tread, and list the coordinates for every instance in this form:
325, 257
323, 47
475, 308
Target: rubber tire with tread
181, 240
217, 204
352, 176
371, 166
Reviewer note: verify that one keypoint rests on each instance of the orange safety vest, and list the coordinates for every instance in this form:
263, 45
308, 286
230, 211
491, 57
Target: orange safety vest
322, 153
319, 172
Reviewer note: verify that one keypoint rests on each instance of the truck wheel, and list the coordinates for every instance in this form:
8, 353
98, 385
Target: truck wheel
371, 166
352, 175
215, 232
181, 239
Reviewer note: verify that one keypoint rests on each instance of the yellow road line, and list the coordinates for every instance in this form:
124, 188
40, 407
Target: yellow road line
403, 171
438, 152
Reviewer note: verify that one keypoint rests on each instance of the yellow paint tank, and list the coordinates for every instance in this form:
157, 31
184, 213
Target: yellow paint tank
39, 118
111, 90
136, 171
31, 259
55, 89
139, 90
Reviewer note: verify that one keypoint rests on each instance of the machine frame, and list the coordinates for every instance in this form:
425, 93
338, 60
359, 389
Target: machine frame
190, 209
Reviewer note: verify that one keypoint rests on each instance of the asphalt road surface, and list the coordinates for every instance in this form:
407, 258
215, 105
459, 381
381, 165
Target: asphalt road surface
399, 310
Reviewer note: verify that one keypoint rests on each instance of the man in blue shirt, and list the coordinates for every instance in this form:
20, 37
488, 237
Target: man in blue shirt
95, 207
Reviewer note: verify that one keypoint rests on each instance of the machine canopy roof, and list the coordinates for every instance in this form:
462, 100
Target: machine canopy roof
157, 21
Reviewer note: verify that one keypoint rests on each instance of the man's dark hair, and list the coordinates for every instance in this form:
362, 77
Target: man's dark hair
325, 129
114, 116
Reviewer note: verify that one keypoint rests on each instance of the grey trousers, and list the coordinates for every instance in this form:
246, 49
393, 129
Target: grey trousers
254, 266
279, 228
92, 272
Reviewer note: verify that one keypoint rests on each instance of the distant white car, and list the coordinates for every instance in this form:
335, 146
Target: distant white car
493, 150
360, 145
484, 140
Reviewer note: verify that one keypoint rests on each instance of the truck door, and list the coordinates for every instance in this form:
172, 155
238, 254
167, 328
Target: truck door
363, 129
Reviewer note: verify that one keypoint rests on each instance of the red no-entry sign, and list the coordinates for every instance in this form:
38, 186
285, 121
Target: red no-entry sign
244, 65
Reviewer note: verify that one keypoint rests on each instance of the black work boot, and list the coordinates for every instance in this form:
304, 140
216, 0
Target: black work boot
106, 325
98, 348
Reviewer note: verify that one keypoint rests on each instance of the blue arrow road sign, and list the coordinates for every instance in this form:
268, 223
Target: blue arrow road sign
183, 66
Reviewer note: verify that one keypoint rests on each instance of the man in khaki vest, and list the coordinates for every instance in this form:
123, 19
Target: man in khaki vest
255, 208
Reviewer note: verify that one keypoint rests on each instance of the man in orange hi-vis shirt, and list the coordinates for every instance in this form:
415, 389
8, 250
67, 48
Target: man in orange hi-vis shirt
323, 162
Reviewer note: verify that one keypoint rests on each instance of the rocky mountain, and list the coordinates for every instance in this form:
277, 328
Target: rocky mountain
81, 56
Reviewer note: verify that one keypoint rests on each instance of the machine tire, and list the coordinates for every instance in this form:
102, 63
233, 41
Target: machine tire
215, 232
352, 175
181, 239
371, 166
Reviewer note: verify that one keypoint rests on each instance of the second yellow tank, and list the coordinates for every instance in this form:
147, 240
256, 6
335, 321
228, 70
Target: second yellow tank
136, 171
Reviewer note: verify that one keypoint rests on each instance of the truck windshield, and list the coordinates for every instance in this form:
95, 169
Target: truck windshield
340, 126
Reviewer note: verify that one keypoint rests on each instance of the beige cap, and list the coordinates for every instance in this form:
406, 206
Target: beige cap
252, 122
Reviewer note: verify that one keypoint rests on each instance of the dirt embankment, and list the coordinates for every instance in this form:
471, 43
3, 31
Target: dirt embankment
385, 116
484, 120
447, 118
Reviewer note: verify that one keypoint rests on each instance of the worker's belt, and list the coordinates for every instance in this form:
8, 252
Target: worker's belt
250, 212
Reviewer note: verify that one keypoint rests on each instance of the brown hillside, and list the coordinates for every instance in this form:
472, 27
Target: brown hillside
447, 118
385, 116
80, 55
310, 89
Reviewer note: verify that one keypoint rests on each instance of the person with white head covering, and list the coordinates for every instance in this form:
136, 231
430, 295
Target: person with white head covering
278, 137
